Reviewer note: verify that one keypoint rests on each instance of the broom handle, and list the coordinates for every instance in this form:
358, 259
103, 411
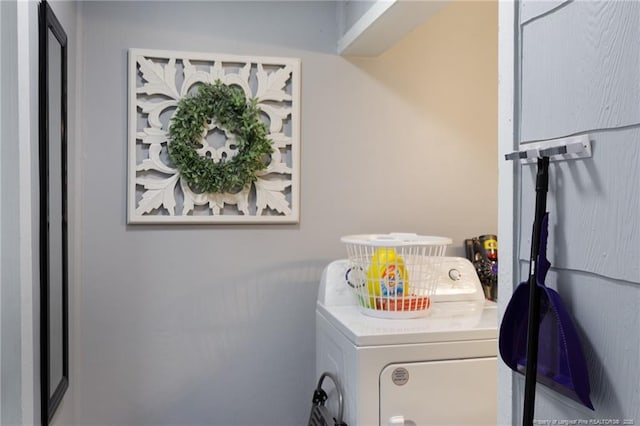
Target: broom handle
542, 187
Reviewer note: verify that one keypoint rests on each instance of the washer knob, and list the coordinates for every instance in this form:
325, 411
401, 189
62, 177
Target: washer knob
454, 274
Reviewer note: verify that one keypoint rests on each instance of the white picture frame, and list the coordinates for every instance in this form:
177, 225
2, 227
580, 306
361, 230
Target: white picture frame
158, 79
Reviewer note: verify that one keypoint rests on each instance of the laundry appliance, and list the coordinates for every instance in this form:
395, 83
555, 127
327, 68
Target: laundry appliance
437, 370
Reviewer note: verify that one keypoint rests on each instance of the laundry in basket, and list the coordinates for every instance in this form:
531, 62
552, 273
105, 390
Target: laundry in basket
394, 275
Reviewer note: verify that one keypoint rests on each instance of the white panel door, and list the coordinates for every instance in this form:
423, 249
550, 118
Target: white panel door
453, 392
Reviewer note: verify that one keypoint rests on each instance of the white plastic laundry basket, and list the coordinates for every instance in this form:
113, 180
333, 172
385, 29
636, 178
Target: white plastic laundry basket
394, 275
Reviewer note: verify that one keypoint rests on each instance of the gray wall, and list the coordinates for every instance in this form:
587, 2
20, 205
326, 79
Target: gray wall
580, 75
215, 324
10, 312
19, 224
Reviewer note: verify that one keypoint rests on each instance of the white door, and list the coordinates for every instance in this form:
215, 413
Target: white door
453, 392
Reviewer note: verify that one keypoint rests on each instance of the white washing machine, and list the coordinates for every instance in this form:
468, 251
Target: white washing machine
437, 370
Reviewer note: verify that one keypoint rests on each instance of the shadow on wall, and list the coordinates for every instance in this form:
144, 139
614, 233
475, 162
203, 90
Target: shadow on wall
592, 320
446, 67
431, 106
199, 362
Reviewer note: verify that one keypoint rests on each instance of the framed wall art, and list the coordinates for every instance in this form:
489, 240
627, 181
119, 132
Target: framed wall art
213, 138
54, 306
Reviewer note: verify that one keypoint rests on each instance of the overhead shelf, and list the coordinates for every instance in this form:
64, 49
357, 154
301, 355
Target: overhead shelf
384, 24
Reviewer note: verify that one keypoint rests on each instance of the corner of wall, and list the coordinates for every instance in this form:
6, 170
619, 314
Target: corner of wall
506, 177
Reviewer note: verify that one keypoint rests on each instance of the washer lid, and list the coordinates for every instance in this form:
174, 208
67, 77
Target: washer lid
446, 322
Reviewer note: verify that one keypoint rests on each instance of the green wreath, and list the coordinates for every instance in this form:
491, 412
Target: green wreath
233, 112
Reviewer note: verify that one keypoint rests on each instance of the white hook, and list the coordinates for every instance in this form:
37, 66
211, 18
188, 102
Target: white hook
570, 148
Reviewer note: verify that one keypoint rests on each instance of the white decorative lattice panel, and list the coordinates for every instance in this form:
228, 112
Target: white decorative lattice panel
156, 192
